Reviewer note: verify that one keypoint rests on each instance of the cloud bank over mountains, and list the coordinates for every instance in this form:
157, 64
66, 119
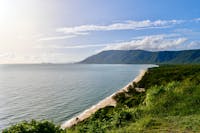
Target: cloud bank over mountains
151, 43
155, 42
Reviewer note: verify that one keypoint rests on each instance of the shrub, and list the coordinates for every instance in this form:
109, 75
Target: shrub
34, 127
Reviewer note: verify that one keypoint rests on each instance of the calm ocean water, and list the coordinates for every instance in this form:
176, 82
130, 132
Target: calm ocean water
57, 92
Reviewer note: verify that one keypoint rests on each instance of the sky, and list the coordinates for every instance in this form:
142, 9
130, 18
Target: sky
63, 31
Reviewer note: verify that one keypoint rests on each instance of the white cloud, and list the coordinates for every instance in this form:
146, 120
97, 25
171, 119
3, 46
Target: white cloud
197, 19
75, 31
152, 43
82, 46
194, 45
6, 55
126, 25
56, 38
71, 47
70, 32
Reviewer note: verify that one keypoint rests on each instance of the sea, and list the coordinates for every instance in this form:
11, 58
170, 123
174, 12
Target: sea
58, 92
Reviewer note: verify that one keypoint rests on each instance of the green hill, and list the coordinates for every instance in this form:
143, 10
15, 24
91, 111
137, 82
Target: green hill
144, 57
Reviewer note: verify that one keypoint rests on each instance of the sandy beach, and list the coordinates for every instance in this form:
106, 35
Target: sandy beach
108, 101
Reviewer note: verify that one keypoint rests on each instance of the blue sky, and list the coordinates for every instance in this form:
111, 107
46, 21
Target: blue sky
62, 31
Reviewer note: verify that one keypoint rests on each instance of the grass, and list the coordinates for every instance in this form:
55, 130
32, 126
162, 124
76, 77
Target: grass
171, 103
34, 127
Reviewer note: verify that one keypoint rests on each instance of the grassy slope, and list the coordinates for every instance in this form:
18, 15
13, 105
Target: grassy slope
170, 104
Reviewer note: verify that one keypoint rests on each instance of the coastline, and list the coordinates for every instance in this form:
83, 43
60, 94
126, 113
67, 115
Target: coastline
108, 101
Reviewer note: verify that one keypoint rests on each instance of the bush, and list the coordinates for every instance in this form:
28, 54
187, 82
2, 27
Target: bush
34, 127
122, 118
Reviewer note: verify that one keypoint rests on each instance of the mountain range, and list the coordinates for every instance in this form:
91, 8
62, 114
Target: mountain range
144, 57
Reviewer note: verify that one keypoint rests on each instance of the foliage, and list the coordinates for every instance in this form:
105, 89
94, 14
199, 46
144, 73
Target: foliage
34, 127
144, 57
169, 73
171, 103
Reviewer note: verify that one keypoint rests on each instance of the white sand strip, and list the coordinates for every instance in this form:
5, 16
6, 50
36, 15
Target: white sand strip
108, 101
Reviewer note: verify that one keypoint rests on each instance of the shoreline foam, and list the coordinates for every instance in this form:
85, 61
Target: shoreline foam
108, 101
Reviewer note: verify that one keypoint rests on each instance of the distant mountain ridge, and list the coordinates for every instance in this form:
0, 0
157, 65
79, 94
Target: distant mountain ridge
144, 57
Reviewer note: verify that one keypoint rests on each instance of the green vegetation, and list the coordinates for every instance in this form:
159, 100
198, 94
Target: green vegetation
34, 127
171, 103
144, 57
